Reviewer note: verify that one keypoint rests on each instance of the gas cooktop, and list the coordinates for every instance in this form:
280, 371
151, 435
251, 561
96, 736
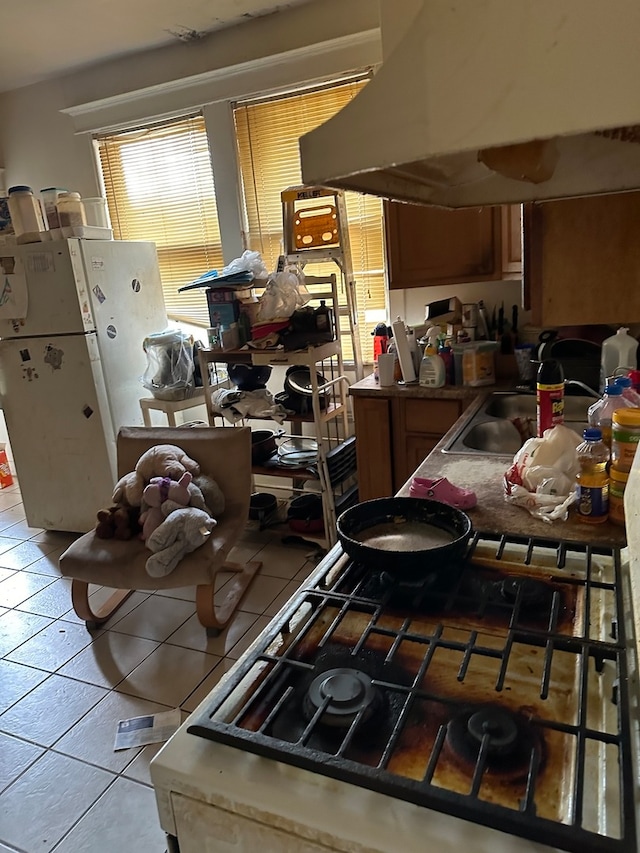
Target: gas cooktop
499, 700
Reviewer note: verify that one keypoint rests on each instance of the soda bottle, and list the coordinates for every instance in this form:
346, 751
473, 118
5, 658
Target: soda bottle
592, 481
600, 413
550, 395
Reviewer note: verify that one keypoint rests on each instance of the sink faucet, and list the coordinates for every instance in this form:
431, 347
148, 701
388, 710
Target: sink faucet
590, 391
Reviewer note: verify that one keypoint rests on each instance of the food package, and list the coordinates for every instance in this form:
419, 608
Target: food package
543, 474
5, 472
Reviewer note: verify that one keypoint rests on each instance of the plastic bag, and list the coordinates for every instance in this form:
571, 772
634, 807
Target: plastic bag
170, 372
283, 294
542, 476
248, 262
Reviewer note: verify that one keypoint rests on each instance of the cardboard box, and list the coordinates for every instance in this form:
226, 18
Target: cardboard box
222, 313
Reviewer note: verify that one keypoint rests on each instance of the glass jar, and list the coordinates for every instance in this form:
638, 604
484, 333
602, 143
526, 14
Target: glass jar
26, 214
625, 435
71, 210
617, 485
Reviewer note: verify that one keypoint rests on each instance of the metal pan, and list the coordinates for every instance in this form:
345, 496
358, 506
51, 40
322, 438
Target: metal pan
408, 538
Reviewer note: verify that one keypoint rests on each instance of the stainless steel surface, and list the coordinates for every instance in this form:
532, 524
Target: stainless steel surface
493, 430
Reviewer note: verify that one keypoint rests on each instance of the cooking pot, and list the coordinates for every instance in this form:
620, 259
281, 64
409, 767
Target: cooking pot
407, 538
262, 504
263, 444
249, 377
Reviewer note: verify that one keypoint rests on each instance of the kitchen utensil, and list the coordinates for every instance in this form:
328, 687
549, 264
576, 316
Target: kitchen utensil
249, 377
262, 504
409, 538
263, 444
305, 514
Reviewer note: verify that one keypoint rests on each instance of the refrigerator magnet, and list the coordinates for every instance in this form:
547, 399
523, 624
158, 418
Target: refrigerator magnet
97, 291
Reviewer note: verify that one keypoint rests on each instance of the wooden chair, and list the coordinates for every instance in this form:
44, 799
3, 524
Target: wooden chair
225, 454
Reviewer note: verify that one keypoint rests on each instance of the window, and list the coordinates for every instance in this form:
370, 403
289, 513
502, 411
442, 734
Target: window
267, 134
159, 187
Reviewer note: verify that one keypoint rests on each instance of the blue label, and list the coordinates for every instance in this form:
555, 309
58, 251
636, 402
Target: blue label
593, 502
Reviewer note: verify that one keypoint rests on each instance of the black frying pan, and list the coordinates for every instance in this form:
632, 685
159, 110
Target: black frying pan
409, 538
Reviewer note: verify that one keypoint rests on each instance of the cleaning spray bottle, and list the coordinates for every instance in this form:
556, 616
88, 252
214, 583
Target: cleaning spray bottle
432, 368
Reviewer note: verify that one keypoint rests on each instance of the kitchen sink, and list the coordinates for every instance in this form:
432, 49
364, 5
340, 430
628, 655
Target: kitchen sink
505, 420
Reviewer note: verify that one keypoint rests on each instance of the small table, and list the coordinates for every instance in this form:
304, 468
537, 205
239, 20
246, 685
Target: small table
170, 407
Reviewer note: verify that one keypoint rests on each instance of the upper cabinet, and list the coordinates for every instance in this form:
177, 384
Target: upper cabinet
432, 246
582, 260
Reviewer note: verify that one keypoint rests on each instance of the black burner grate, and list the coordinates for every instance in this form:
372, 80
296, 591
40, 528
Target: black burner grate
474, 664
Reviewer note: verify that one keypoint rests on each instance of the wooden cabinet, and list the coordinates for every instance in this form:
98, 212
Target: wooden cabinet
582, 260
433, 246
394, 435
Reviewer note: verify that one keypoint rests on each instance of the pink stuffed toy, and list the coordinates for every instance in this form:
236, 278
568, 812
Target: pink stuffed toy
161, 497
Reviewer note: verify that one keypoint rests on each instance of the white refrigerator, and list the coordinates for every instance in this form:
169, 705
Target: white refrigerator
70, 368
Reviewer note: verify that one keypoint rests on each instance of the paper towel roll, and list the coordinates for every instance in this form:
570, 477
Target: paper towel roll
404, 352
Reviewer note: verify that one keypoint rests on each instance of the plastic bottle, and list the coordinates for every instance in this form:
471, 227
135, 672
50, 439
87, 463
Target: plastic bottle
26, 214
600, 413
592, 481
71, 210
445, 353
549, 395
432, 369
627, 390
50, 197
634, 376
620, 350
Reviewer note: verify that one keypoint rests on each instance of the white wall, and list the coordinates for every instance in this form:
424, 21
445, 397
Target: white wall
38, 142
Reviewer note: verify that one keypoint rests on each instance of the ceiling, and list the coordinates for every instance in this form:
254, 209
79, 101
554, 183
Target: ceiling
51, 38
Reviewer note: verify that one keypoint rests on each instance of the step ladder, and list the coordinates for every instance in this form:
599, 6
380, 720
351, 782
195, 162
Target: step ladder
314, 225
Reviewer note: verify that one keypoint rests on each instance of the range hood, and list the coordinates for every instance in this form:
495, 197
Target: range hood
492, 102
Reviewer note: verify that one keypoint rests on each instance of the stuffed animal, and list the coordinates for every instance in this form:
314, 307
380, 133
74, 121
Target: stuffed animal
162, 496
212, 496
163, 460
181, 532
118, 522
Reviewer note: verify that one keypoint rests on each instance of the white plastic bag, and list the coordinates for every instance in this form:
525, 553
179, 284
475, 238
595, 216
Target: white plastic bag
248, 262
284, 293
542, 476
170, 370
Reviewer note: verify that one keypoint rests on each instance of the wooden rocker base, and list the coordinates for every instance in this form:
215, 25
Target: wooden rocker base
213, 615
93, 619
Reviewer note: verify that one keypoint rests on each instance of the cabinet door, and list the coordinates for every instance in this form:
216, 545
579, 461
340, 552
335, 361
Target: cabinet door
582, 260
418, 425
373, 447
430, 245
512, 240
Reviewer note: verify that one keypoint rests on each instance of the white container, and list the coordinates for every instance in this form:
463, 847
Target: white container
620, 350
71, 210
26, 214
432, 371
386, 368
49, 196
96, 213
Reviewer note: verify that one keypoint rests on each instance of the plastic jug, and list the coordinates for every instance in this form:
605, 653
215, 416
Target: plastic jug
600, 413
620, 350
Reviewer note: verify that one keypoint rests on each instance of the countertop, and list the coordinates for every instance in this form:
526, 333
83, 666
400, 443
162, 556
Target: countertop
484, 474
368, 387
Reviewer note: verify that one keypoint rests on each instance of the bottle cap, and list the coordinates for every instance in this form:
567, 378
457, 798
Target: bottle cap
613, 390
20, 188
622, 381
592, 434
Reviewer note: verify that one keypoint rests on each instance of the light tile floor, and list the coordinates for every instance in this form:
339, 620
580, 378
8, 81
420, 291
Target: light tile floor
62, 689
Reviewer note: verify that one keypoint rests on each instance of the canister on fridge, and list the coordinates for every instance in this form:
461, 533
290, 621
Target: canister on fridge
71, 210
49, 196
26, 215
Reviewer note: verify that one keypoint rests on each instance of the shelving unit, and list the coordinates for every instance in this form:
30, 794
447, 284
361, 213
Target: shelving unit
335, 469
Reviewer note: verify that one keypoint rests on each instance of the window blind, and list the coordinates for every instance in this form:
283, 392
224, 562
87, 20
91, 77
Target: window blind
267, 134
159, 186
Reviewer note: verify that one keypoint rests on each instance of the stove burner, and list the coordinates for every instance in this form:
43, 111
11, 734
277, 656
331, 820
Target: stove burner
534, 593
508, 740
498, 725
343, 693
